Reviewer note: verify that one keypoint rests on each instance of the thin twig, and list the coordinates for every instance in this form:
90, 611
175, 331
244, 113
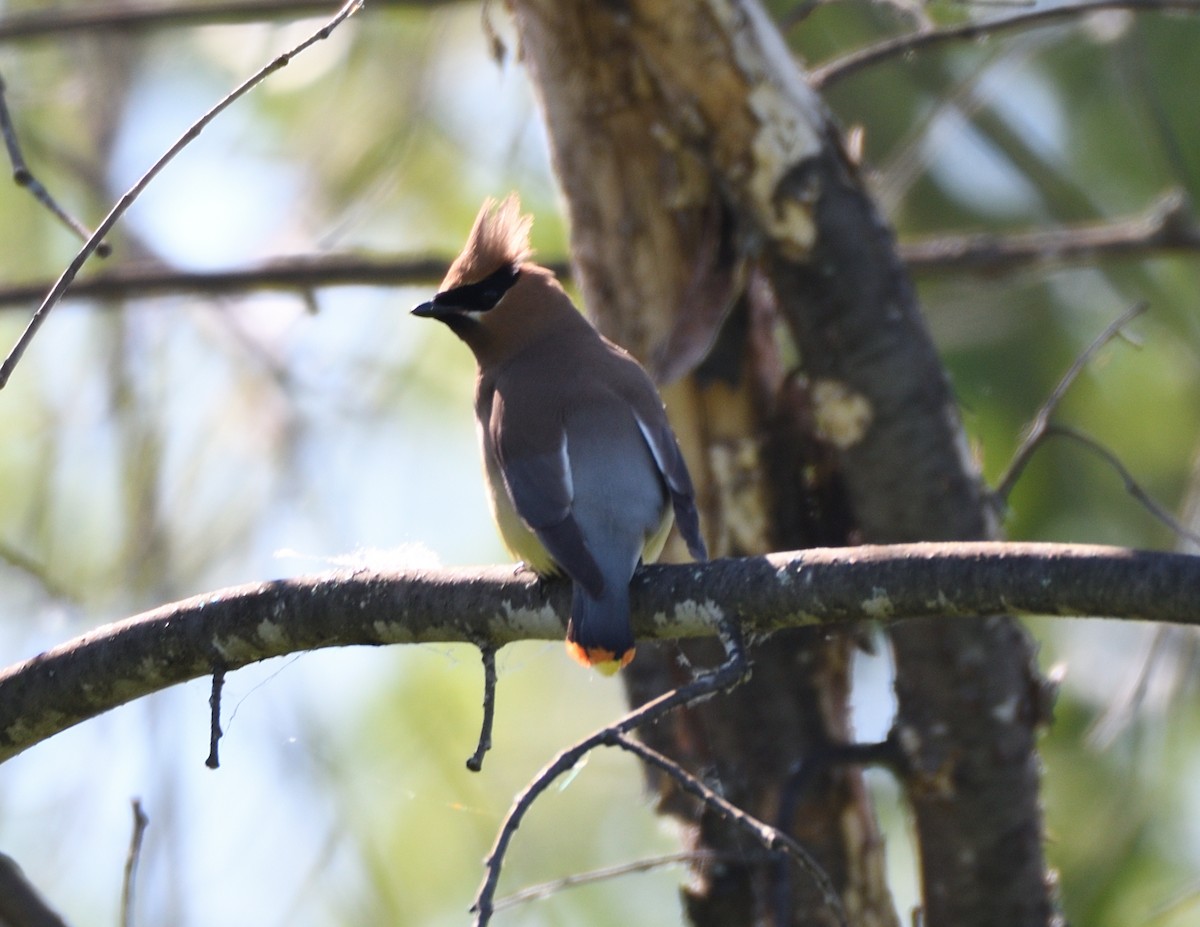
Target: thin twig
550, 889
301, 273
38, 572
58, 21
1120, 710
801, 778
55, 294
1167, 227
771, 838
132, 858
488, 653
827, 74
1157, 511
214, 717
1035, 431
1168, 911
23, 177
724, 677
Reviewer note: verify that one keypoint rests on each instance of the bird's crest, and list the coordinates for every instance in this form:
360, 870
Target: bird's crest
500, 237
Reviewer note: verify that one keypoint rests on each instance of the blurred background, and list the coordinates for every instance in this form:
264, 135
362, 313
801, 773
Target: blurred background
157, 447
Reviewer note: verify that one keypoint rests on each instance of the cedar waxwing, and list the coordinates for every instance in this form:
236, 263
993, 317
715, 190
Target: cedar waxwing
583, 469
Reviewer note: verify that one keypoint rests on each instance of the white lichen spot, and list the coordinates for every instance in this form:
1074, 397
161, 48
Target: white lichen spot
691, 612
237, 651
272, 634
842, 415
532, 623
909, 738
391, 632
879, 605
23, 732
149, 669
1006, 711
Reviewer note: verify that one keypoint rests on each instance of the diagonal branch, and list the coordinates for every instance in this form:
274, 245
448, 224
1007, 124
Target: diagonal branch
23, 177
130, 196
729, 674
234, 627
772, 838
1035, 431
842, 67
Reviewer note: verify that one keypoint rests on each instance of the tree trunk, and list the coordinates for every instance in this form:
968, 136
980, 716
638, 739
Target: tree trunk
714, 215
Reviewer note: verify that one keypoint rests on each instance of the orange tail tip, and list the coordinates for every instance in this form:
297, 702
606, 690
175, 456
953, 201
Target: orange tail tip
603, 661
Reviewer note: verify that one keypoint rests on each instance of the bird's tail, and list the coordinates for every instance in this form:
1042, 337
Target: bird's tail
599, 634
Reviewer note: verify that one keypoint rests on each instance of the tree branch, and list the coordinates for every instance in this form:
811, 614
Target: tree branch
348, 8
58, 22
839, 68
1168, 227
234, 627
727, 676
23, 177
300, 272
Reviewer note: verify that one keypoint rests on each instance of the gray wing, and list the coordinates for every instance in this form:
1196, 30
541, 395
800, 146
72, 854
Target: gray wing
665, 449
537, 475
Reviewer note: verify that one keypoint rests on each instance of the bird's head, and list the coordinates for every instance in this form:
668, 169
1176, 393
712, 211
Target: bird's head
490, 295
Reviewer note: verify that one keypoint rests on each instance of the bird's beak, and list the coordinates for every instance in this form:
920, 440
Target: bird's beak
426, 311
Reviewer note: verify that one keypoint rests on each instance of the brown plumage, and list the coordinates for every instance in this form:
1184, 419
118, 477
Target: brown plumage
584, 471
499, 237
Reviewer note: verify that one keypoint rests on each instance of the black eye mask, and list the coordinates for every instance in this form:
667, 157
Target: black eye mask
481, 296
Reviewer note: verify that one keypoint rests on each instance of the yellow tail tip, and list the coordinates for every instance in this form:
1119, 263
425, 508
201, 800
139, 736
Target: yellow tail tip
600, 659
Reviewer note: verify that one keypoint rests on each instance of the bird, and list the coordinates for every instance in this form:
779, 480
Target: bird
584, 472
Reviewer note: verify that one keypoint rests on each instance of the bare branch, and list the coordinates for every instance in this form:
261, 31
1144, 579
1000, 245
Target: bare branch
1036, 430
55, 22
724, 677
842, 67
23, 177
298, 273
549, 889
117, 663
1169, 226
132, 858
127, 200
488, 653
770, 837
38, 572
1159, 512
214, 719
